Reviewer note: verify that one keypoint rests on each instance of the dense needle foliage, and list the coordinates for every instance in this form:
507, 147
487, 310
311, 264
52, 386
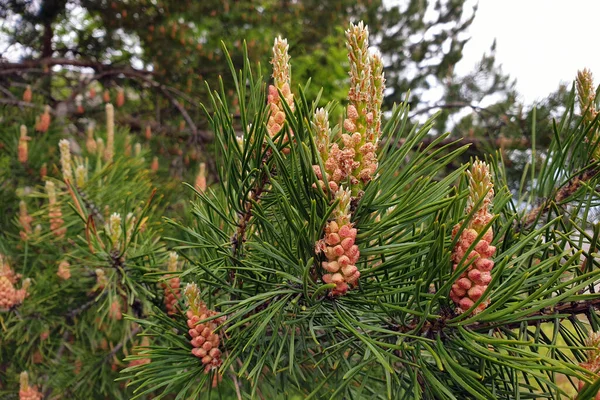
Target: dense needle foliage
246, 307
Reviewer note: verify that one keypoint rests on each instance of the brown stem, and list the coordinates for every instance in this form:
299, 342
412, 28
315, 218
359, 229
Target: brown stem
122, 343
19, 103
9, 68
240, 236
236, 383
544, 315
563, 193
47, 39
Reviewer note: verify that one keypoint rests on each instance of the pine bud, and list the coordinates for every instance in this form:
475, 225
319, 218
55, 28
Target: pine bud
172, 286
81, 173
64, 270
200, 184
154, 165
148, 132
137, 149
586, 93
592, 362
106, 96
141, 361
120, 97
54, 211
27, 94
205, 341
65, 159
9, 295
115, 312
100, 147
114, 230
363, 115
130, 222
27, 392
92, 92
43, 171
90, 142
23, 150
472, 284
282, 82
43, 123
101, 280
25, 220
339, 247
110, 133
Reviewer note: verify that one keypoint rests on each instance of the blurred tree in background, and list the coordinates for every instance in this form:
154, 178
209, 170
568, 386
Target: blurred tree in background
161, 54
178, 44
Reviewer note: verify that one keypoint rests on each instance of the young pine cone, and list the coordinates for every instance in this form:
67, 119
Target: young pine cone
472, 283
204, 339
27, 392
172, 294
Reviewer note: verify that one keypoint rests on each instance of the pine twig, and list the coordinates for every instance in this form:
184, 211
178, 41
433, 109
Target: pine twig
236, 383
563, 193
545, 315
122, 343
240, 236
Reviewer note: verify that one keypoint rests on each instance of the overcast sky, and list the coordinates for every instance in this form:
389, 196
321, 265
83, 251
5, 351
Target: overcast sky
539, 42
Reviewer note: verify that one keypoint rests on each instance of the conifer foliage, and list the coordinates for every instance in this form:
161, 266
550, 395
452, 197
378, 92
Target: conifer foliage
330, 261
344, 262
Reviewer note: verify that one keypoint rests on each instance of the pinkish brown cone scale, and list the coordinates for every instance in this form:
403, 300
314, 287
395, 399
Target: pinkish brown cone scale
474, 281
342, 255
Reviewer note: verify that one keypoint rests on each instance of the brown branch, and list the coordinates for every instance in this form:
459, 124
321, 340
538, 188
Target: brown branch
240, 236
236, 383
182, 110
8, 68
122, 343
563, 193
545, 315
104, 70
19, 103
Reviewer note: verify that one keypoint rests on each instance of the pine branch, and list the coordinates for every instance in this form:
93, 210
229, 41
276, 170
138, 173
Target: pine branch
563, 193
19, 103
123, 342
108, 70
240, 236
544, 315
430, 329
8, 68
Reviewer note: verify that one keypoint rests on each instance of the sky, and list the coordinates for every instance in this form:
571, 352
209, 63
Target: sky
539, 42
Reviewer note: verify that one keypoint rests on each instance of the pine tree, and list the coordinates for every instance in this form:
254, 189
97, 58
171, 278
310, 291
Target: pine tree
73, 263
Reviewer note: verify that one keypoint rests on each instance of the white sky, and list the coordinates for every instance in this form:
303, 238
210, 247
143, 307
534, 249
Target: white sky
539, 42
